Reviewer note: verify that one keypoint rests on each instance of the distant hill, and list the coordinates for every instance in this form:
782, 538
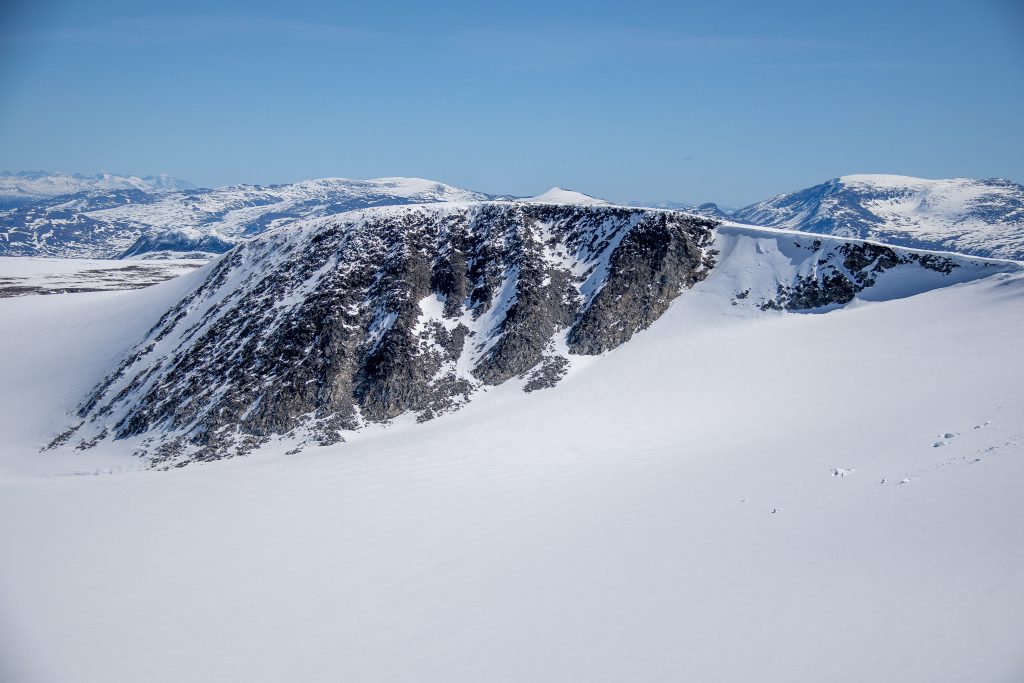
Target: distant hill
978, 217
132, 222
32, 185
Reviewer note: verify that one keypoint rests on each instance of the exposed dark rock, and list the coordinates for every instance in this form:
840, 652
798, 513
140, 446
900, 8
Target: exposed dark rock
659, 257
844, 271
547, 374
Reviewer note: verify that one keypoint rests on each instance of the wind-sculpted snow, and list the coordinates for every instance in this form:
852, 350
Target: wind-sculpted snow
111, 223
326, 326
978, 217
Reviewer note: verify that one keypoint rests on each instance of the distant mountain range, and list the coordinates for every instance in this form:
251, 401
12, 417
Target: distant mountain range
27, 186
110, 216
979, 217
707, 209
132, 222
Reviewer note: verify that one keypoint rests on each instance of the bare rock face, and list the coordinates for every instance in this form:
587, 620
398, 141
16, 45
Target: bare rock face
654, 262
328, 325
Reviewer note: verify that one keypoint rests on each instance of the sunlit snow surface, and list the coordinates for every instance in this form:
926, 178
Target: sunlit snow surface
558, 195
670, 511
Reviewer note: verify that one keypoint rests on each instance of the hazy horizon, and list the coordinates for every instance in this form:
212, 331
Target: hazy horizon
658, 102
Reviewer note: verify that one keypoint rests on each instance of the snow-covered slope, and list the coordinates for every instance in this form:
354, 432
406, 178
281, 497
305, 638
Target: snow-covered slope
194, 222
30, 185
980, 217
733, 494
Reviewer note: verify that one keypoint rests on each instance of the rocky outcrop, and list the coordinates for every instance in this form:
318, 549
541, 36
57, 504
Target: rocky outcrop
325, 326
843, 271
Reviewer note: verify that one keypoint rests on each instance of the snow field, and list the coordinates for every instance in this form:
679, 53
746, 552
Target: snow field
619, 526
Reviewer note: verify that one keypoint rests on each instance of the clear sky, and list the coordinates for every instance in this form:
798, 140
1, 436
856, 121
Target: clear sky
728, 101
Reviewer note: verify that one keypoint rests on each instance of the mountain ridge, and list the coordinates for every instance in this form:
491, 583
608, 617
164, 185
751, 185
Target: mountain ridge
24, 186
977, 217
322, 328
189, 223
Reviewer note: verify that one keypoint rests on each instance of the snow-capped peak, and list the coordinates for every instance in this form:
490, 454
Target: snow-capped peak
981, 217
558, 195
882, 180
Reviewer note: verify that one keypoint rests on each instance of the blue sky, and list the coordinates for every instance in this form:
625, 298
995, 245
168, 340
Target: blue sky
724, 101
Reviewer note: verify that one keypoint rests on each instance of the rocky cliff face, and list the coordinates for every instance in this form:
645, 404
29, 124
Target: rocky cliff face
335, 323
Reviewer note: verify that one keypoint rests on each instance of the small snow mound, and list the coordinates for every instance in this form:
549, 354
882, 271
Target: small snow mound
558, 195
840, 472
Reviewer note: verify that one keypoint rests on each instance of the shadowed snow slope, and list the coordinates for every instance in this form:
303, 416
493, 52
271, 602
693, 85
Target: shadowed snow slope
734, 494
